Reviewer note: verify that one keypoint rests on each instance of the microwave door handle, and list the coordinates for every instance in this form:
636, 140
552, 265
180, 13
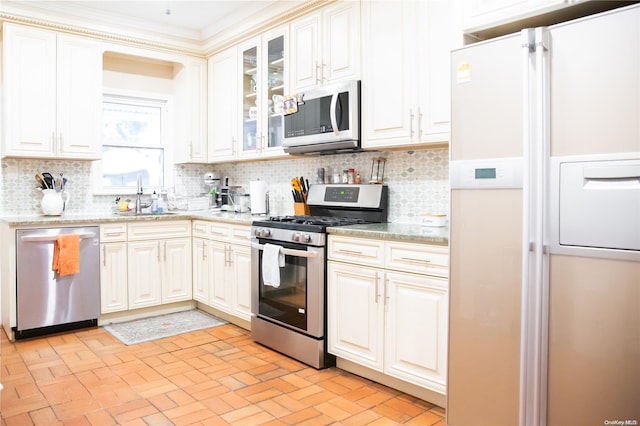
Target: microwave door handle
334, 118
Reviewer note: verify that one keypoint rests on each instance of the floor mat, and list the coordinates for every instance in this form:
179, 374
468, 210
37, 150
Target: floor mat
146, 329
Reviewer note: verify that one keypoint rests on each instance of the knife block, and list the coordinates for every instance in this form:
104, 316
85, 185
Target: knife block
301, 209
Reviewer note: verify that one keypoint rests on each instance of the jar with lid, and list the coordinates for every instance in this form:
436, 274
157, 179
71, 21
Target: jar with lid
351, 176
345, 176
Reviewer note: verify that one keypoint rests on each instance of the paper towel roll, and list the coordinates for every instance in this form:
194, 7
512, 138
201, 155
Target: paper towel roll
258, 191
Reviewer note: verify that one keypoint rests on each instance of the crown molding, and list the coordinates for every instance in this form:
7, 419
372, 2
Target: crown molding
126, 37
151, 39
253, 28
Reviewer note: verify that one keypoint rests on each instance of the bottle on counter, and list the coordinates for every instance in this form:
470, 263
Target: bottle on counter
358, 179
154, 202
345, 176
351, 176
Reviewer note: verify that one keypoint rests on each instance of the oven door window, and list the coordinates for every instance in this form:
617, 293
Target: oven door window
287, 303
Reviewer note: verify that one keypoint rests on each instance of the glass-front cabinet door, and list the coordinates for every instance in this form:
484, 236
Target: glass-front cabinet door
276, 92
250, 101
263, 85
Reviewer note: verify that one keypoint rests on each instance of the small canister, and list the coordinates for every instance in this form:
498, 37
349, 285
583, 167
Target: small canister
351, 176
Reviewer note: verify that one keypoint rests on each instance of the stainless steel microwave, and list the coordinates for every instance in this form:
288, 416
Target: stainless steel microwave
327, 120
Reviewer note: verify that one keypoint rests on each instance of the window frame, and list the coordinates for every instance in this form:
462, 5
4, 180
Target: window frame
137, 98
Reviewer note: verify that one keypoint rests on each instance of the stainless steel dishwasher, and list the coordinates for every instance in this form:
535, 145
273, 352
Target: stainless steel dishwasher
47, 303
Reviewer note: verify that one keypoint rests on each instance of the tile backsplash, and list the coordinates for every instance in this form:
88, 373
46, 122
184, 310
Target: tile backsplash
418, 180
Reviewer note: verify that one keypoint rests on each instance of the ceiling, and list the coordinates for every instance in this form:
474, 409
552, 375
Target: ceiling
192, 19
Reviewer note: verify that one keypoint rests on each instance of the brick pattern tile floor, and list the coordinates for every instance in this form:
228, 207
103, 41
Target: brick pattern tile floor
209, 377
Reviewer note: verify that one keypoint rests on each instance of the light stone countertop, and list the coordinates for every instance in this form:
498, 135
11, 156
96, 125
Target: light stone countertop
408, 232
105, 217
383, 231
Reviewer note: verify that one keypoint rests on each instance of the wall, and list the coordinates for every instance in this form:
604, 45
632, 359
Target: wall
418, 181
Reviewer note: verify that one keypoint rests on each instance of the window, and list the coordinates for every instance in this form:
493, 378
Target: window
133, 145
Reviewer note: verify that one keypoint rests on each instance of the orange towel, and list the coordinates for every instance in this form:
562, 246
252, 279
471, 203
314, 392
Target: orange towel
66, 254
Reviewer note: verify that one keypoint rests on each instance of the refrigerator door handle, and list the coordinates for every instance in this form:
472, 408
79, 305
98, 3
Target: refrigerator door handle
536, 135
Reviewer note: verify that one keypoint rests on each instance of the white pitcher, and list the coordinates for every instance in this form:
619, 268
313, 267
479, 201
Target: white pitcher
53, 203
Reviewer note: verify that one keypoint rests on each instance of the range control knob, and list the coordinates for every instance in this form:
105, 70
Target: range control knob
301, 238
262, 232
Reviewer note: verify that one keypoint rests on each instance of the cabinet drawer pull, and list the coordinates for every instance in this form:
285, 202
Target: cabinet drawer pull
410, 259
350, 251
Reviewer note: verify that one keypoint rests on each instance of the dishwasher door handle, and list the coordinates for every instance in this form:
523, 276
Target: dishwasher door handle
52, 238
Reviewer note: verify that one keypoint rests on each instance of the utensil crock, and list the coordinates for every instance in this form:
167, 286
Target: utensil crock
53, 203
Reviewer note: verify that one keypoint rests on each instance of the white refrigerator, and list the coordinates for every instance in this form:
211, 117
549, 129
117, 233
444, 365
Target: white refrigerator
544, 314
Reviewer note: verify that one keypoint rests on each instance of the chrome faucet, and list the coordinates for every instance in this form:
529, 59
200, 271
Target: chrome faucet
139, 195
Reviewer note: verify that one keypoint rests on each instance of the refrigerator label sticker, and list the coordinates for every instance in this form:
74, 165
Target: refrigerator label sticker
463, 72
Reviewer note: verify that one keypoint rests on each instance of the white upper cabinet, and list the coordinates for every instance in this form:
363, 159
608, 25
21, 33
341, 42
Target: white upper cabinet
52, 94
325, 46
263, 77
191, 117
223, 101
405, 77
244, 84
481, 15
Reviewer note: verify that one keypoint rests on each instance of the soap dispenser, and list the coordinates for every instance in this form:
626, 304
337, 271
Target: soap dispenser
154, 202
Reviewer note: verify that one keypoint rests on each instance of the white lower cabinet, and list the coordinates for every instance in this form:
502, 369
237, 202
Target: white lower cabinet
241, 266
387, 319
176, 270
201, 269
144, 273
415, 342
113, 268
356, 314
222, 267
159, 263
220, 279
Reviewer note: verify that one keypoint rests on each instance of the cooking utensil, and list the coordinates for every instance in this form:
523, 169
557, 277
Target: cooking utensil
302, 185
41, 182
48, 179
295, 184
297, 197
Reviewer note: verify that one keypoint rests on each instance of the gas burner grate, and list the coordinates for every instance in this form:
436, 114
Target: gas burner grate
317, 220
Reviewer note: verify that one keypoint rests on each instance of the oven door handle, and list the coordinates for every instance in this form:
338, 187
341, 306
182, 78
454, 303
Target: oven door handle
290, 252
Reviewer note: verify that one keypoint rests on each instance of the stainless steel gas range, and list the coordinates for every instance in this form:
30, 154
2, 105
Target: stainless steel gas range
289, 312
